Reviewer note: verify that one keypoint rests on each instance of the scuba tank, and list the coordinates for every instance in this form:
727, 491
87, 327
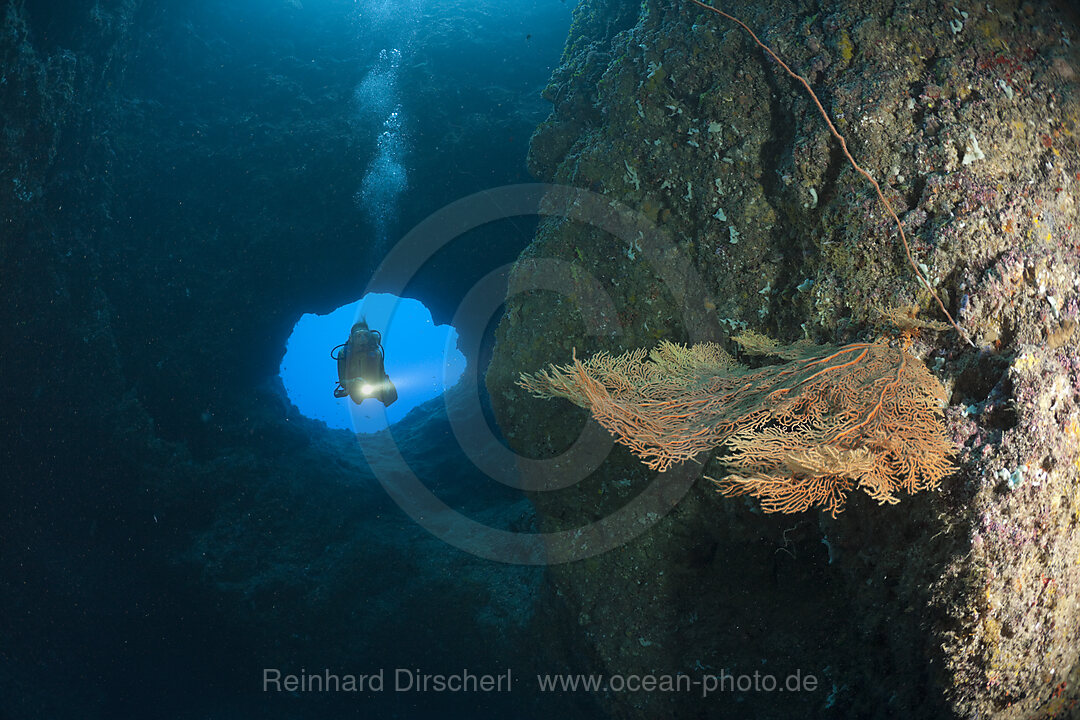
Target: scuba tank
361, 373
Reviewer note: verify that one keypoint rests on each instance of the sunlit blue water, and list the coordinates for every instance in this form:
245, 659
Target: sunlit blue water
422, 360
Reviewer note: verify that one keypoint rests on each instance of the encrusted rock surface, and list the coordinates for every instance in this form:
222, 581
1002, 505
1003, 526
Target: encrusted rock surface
962, 602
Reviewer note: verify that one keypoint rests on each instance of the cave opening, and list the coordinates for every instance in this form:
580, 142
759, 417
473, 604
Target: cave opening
422, 360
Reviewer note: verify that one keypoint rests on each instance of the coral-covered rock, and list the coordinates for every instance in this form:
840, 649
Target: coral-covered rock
963, 599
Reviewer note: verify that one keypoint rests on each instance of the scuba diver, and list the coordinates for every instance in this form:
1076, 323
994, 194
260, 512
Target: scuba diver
361, 374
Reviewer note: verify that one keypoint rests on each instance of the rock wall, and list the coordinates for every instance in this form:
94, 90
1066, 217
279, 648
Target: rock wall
175, 190
960, 602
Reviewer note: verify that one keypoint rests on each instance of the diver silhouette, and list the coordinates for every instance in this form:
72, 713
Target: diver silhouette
361, 373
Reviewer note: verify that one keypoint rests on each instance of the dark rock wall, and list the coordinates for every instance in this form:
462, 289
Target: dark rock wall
73, 429
172, 185
959, 602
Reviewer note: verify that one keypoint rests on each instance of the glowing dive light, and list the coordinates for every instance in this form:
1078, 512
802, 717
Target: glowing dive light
367, 389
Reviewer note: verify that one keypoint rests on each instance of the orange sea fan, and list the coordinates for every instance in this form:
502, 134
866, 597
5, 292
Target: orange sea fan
796, 435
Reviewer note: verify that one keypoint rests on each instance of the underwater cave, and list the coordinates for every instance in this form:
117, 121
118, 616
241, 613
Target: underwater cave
571, 226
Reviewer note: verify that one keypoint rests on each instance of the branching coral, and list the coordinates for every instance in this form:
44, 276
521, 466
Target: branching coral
796, 435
